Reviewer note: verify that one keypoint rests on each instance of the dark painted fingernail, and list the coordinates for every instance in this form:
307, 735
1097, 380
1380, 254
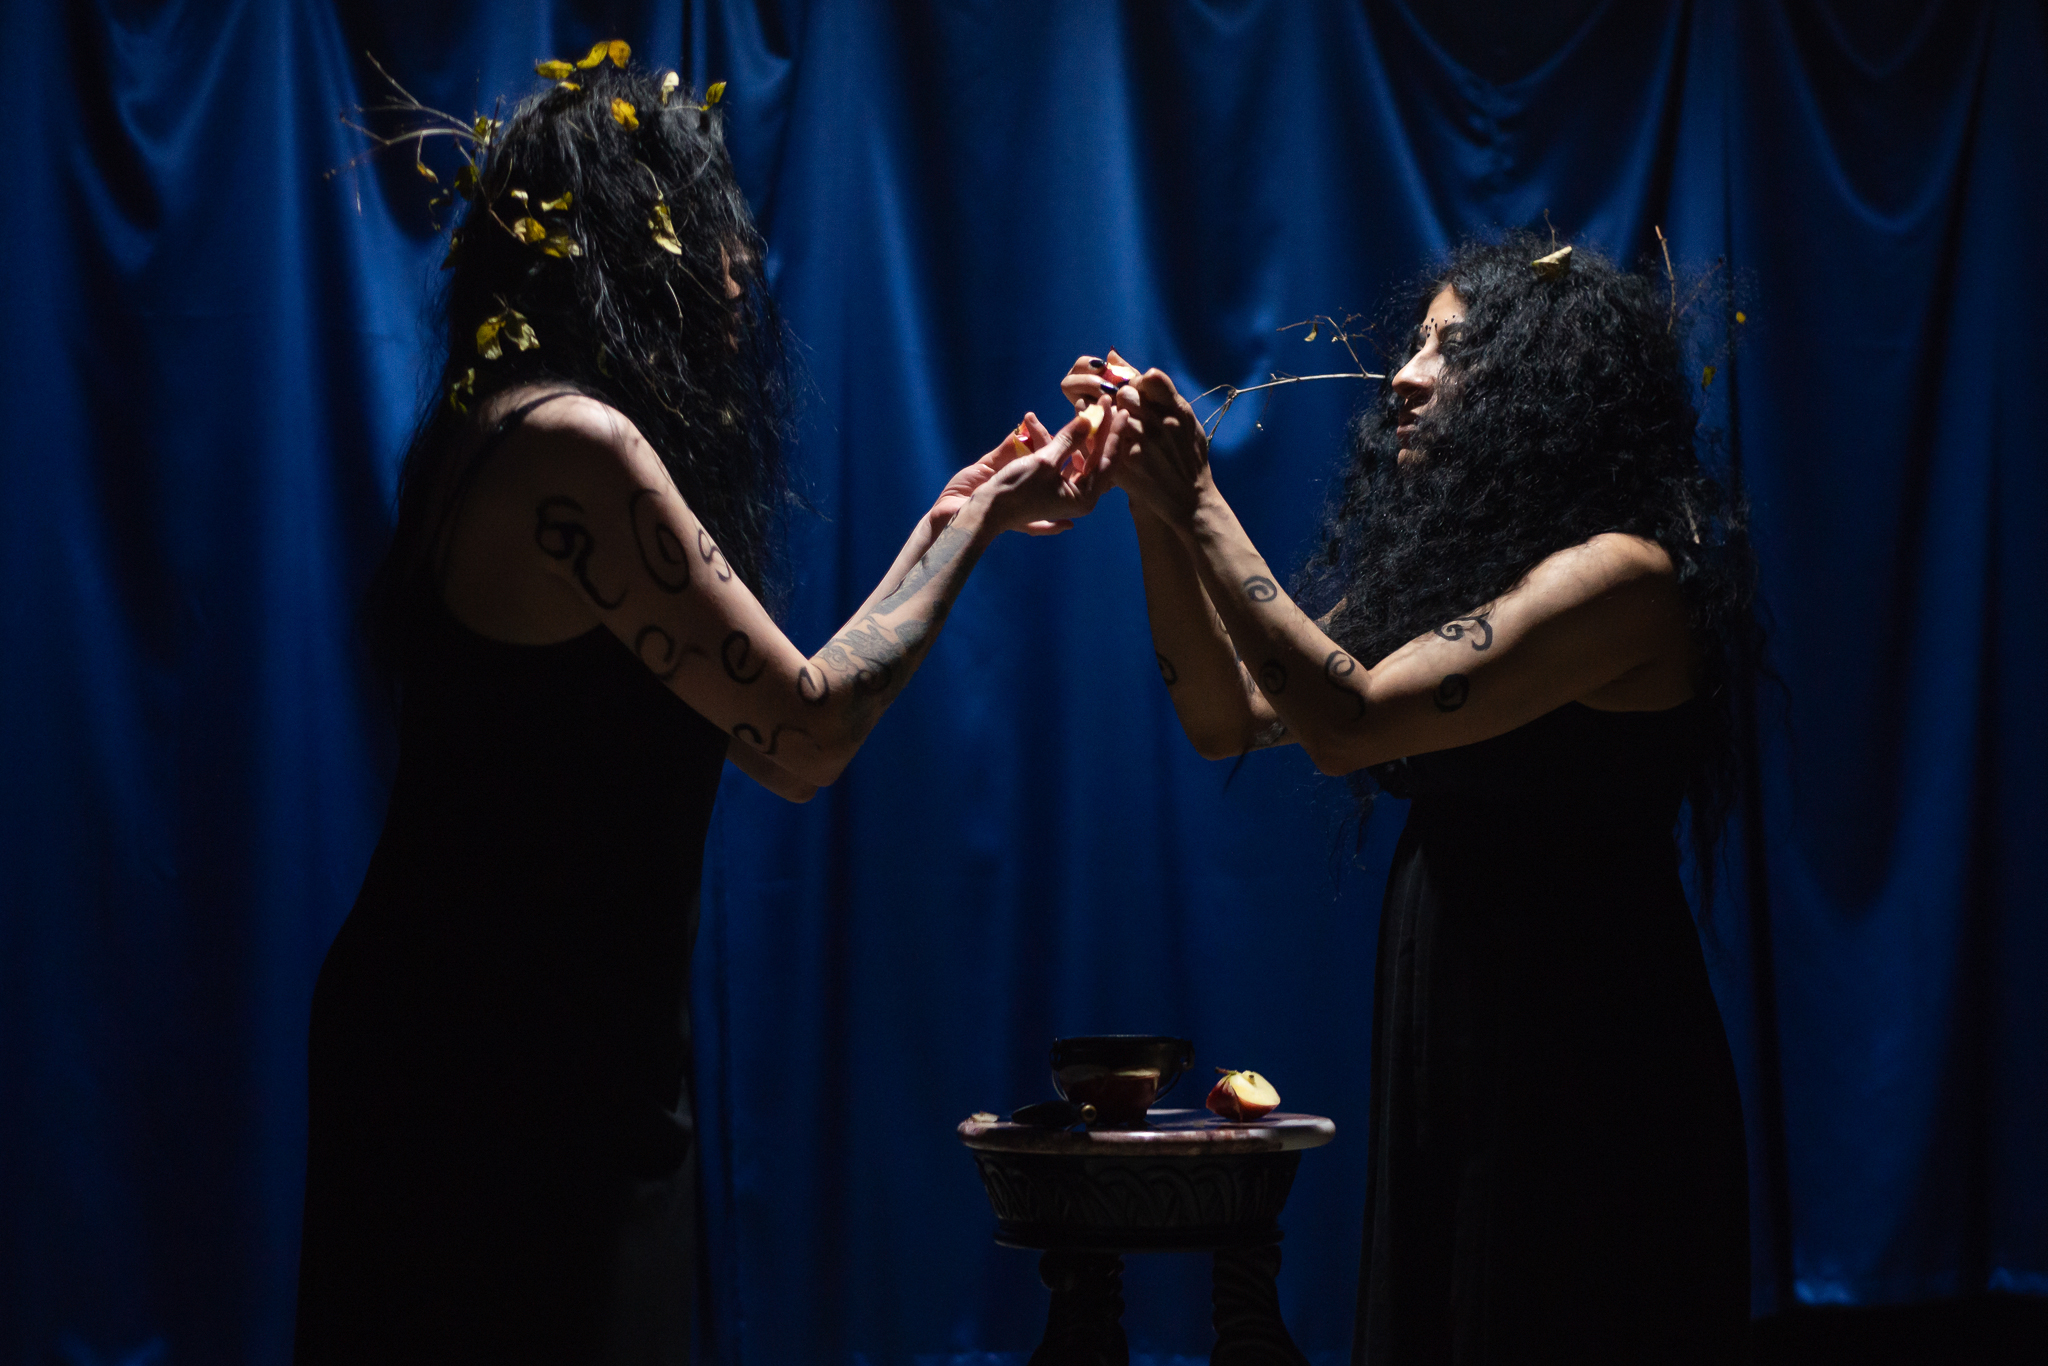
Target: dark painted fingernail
1109, 388
1094, 364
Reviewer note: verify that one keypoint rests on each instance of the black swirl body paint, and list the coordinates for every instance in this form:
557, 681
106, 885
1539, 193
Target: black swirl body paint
661, 553
736, 652
566, 538
743, 731
708, 551
1259, 588
813, 686
1337, 667
1273, 677
1166, 669
1452, 692
1476, 627
775, 737
657, 650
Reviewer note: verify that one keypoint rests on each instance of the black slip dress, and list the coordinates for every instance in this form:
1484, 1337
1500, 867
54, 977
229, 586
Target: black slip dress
1557, 1169
500, 1159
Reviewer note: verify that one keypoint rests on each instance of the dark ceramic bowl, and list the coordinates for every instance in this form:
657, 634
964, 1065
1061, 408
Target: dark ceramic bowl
1121, 1075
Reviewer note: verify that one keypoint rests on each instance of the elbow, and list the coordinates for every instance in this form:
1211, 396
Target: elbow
1341, 753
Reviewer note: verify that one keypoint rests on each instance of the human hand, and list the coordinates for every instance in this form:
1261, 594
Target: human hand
1046, 485
1153, 446
1028, 436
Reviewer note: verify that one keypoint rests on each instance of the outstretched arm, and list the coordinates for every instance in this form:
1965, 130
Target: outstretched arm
621, 541
1582, 620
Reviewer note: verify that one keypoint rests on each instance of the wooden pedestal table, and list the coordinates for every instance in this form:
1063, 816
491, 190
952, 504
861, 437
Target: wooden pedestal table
1188, 1182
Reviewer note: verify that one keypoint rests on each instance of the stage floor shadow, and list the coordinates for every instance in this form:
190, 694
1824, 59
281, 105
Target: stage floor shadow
1989, 1330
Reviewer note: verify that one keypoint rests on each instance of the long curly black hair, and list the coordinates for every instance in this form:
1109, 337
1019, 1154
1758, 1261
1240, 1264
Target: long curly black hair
608, 219
1565, 410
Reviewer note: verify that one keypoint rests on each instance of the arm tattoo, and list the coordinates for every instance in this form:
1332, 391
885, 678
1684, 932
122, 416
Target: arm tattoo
1475, 626
1166, 669
1337, 667
1273, 677
1452, 692
566, 538
1259, 588
708, 551
657, 650
813, 686
743, 731
660, 552
736, 653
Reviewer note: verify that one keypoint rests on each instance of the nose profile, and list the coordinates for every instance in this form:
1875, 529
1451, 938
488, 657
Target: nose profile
1413, 382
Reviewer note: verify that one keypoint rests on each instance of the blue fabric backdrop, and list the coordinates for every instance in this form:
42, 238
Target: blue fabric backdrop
212, 352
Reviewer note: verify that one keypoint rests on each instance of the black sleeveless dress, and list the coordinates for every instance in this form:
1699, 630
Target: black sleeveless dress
500, 1157
1557, 1168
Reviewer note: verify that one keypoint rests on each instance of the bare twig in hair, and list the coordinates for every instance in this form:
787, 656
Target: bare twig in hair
1672, 276
1340, 333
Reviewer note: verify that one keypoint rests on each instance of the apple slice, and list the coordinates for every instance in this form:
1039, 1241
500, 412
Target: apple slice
1242, 1095
1117, 369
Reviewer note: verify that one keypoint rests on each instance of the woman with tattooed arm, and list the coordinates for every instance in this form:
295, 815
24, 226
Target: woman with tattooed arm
1538, 604
574, 607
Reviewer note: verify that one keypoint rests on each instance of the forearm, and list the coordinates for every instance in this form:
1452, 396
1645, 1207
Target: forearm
1210, 690
914, 548
863, 668
1315, 688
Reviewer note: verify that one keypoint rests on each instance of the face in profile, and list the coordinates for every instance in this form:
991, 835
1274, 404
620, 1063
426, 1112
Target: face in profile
1416, 383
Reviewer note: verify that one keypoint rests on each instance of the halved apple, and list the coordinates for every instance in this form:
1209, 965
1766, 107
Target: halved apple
1242, 1095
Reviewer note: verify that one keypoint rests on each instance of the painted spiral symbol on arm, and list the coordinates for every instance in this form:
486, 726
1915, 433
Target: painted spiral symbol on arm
813, 686
1337, 667
1166, 669
1477, 627
708, 551
1273, 677
660, 552
743, 731
736, 653
566, 538
1452, 692
1259, 588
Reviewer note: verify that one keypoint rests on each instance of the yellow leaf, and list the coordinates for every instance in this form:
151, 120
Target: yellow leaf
627, 116
1740, 316
713, 94
562, 245
619, 50
448, 261
567, 85
1707, 377
1554, 265
522, 335
465, 385
665, 231
1312, 331
519, 195
668, 85
465, 182
598, 52
556, 205
485, 130
554, 71
487, 337
529, 230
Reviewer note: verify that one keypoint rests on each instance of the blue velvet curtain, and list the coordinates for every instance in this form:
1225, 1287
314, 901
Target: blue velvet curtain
213, 350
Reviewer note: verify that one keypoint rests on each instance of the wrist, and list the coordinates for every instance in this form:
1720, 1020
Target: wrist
974, 519
1209, 516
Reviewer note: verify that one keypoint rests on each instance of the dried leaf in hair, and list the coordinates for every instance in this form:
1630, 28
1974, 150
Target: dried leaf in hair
448, 261
554, 71
485, 130
561, 244
464, 386
495, 331
519, 195
1312, 331
1554, 265
1707, 378
556, 205
567, 85
713, 94
620, 51
598, 52
529, 230
627, 116
665, 231
466, 182
668, 85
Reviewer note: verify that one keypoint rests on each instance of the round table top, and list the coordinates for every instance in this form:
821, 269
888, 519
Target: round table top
1171, 1133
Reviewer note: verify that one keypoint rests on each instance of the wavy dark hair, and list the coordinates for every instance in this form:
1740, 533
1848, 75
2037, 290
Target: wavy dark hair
1565, 410
645, 327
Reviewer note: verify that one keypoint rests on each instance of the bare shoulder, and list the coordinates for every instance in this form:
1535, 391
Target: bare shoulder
1612, 562
580, 433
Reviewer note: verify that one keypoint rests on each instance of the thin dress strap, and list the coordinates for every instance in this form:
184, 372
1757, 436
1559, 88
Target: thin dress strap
494, 438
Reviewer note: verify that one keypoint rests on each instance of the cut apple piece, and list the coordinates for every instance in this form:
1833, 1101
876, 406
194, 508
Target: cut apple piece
1242, 1095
